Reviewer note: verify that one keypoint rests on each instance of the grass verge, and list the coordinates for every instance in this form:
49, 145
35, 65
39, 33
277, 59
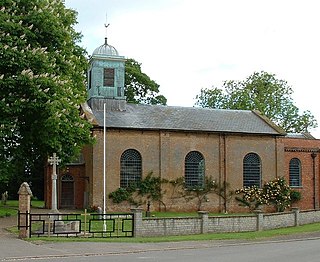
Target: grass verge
202, 237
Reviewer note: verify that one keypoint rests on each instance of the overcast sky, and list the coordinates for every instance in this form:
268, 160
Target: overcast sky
186, 45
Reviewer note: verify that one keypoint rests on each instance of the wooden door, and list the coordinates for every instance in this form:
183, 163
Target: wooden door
67, 192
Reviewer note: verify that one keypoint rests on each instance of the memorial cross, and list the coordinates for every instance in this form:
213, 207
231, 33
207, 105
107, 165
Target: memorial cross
54, 161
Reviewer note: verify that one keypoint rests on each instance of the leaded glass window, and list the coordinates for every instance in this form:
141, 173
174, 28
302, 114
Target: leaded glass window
67, 178
194, 170
130, 167
295, 172
251, 170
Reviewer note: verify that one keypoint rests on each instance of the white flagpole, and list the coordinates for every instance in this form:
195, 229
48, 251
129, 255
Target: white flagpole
104, 165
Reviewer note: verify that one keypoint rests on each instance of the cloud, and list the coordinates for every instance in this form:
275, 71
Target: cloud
187, 45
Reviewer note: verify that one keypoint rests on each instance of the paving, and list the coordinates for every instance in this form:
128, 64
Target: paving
14, 249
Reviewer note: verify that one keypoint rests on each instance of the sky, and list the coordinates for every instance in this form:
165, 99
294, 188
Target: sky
186, 45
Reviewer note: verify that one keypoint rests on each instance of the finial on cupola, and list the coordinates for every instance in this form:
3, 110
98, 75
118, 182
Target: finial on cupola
106, 25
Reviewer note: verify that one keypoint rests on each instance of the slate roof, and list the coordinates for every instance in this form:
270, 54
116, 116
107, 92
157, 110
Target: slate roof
156, 117
300, 135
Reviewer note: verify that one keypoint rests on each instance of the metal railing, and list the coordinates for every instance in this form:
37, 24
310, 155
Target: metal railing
77, 225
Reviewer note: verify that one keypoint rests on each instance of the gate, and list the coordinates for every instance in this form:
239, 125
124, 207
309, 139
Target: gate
78, 225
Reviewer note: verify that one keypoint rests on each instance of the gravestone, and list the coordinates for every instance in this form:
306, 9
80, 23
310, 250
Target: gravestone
4, 198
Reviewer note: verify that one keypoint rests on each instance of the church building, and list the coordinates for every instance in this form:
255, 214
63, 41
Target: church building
239, 147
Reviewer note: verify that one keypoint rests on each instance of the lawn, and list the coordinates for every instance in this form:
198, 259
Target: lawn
12, 206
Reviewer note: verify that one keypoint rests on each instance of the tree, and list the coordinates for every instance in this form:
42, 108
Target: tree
263, 92
42, 85
139, 88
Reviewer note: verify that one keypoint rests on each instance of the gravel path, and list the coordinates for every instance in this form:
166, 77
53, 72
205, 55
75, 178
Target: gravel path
6, 222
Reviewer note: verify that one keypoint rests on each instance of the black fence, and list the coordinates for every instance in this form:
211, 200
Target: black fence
77, 225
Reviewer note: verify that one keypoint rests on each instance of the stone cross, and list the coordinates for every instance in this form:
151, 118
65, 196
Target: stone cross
54, 161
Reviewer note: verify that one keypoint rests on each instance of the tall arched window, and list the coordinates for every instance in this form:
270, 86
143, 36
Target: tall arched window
251, 170
295, 172
194, 170
130, 167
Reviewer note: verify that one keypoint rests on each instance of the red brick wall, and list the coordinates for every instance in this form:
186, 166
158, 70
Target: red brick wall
78, 174
47, 186
303, 149
163, 154
80, 181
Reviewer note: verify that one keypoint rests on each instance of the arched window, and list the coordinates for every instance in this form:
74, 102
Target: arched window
295, 172
194, 170
130, 167
251, 170
67, 178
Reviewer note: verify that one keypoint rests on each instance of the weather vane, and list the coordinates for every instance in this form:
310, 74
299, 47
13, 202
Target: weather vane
106, 25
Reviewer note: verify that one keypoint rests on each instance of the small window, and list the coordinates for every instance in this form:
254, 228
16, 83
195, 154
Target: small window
251, 170
295, 172
194, 170
119, 91
130, 167
108, 77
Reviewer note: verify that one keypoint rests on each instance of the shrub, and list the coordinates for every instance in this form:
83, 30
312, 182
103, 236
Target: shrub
121, 195
148, 189
251, 197
276, 193
295, 196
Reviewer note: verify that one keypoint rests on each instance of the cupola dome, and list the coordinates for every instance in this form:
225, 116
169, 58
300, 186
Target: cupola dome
105, 50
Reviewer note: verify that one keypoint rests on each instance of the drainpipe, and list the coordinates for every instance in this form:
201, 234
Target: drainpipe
160, 163
225, 173
314, 155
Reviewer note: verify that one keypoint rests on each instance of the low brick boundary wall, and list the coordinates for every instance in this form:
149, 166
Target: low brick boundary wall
220, 224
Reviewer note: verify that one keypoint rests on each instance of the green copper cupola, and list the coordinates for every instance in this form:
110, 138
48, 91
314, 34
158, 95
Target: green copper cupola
106, 74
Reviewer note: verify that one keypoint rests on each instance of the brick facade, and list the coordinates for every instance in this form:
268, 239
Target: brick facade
76, 192
307, 151
163, 153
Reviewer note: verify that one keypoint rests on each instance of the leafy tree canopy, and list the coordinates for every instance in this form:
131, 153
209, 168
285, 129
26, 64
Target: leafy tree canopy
42, 84
139, 88
263, 92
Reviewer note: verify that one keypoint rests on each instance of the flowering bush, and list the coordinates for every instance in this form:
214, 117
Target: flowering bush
251, 197
276, 192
